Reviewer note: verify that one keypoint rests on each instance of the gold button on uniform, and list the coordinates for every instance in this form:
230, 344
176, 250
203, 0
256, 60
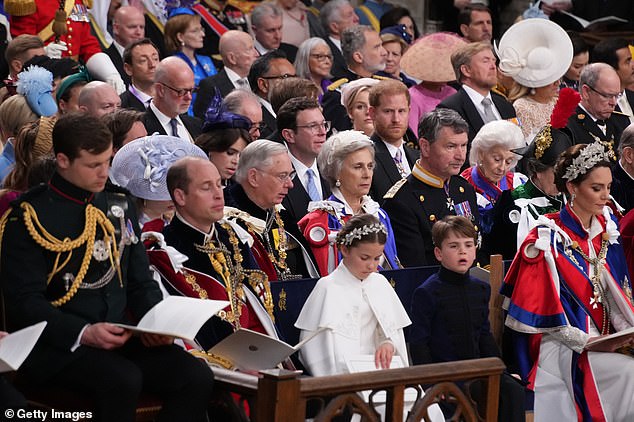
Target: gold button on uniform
432, 217
461, 189
422, 198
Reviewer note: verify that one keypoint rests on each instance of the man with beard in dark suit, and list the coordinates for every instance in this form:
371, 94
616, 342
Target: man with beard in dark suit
389, 109
474, 65
595, 118
167, 113
238, 54
433, 190
266, 71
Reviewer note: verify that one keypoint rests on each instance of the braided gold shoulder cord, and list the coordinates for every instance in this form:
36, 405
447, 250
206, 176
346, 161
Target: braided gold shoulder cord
94, 217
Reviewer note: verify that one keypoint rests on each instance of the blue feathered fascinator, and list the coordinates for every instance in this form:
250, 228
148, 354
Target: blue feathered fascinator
36, 84
217, 117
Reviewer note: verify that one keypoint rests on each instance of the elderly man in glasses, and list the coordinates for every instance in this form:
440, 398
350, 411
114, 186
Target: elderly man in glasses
595, 117
303, 128
167, 113
265, 175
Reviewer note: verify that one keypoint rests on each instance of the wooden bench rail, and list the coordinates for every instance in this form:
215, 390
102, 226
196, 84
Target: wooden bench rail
281, 396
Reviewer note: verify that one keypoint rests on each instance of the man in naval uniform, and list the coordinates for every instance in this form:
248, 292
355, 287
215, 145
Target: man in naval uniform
434, 188
218, 17
595, 118
83, 285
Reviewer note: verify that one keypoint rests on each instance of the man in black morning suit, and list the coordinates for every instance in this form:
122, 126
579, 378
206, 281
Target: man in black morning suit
335, 17
433, 190
167, 113
105, 280
364, 56
140, 60
303, 129
238, 54
595, 118
623, 171
474, 65
128, 25
389, 108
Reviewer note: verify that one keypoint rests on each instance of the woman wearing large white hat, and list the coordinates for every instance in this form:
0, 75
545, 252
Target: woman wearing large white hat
536, 53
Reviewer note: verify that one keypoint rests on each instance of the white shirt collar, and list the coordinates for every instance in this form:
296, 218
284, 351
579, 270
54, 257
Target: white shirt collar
476, 99
164, 120
119, 47
261, 49
267, 105
142, 96
233, 76
301, 169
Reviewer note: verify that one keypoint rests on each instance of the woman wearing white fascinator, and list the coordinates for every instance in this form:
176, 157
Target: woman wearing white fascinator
536, 53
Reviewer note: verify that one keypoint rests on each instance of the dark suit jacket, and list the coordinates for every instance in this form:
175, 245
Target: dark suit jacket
297, 199
331, 103
270, 122
117, 60
152, 124
583, 127
622, 188
206, 91
128, 100
414, 209
339, 65
461, 102
385, 171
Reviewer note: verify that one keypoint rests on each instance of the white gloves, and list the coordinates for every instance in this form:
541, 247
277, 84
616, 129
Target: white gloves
54, 50
100, 67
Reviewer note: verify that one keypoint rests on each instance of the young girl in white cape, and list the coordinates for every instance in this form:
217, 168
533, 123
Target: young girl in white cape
358, 305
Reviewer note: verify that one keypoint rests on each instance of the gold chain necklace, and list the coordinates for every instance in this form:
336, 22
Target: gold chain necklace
597, 264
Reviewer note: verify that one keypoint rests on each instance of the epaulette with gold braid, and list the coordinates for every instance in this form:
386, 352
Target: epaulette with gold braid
380, 78
620, 113
337, 84
395, 188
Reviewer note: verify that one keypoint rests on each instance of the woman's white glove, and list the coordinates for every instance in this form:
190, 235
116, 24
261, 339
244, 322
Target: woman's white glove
54, 50
101, 67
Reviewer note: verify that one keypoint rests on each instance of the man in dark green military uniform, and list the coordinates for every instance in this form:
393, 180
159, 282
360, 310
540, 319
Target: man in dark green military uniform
71, 256
433, 190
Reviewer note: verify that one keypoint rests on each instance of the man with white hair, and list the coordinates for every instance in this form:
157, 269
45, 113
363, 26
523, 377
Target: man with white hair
238, 53
264, 176
167, 113
246, 103
337, 16
98, 98
364, 54
595, 119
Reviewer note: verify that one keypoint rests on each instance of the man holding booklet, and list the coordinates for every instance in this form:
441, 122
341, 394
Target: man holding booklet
219, 265
71, 256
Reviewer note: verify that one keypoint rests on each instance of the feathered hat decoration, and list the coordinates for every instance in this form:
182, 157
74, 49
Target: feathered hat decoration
36, 84
565, 106
217, 117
